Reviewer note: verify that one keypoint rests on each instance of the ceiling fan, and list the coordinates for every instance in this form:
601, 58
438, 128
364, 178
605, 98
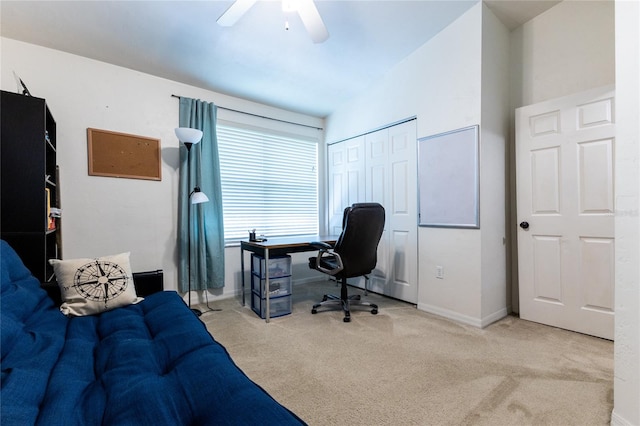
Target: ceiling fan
306, 9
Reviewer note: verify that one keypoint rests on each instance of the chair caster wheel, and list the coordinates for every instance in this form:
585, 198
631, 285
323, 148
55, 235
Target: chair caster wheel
314, 311
374, 311
346, 319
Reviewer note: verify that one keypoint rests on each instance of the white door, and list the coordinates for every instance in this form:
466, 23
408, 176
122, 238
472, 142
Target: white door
565, 205
346, 179
391, 176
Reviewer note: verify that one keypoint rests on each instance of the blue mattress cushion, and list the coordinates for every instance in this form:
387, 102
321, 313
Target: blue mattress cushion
32, 336
153, 363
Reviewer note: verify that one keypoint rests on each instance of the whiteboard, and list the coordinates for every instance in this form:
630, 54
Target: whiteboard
448, 179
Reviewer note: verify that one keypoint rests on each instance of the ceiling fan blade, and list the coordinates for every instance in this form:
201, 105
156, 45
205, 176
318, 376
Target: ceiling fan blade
312, 21
235, 12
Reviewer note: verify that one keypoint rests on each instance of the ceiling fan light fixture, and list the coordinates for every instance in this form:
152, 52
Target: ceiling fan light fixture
307, 10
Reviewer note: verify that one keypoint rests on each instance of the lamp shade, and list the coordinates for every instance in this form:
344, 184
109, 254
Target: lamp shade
198, 196
188, 135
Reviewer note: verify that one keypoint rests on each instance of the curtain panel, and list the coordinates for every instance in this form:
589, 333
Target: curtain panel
206, 224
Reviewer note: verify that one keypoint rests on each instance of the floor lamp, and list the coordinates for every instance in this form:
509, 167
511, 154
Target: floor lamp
189, 137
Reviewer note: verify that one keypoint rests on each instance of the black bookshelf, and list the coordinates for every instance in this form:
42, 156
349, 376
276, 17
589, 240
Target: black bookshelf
29, 179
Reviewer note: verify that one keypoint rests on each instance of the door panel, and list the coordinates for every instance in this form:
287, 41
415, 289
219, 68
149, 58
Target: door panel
400, 194
376, 145
548, 268
596, 177
545, 170
597, 274
401, 275
403, 214
346, 179
378, 277
376, 183
384, 170
392, 182
565, 150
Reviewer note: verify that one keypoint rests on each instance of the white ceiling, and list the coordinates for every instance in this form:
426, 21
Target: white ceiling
256, 59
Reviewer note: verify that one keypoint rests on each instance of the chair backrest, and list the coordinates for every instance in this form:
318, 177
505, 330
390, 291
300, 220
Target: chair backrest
362, 227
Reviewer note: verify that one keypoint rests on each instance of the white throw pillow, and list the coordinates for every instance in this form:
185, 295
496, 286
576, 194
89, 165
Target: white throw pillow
91, 286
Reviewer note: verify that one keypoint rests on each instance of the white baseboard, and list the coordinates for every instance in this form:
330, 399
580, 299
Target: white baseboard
465, 319
618, 420
496, 316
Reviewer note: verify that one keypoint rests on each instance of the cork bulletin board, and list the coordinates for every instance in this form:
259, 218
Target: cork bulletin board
122, 155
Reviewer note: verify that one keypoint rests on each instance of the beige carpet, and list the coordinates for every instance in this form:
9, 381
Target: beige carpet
407, 367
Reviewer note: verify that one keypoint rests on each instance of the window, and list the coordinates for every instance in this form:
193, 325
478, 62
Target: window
269, 182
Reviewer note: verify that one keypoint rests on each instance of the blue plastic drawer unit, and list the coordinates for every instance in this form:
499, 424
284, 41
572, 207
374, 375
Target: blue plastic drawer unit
277, 286
278, 266
278, 306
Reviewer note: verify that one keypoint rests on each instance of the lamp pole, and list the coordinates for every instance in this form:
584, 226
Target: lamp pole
190, 136
188, 145
195, 197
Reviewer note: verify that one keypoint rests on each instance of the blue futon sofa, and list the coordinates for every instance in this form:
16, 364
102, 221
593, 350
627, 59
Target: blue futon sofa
152, 363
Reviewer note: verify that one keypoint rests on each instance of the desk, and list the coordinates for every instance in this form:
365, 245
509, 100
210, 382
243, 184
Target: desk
278, 247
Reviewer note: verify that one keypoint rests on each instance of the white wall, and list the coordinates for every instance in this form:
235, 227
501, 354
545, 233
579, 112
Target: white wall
565, 50
441, 83
626, 392
109, 215
495, 294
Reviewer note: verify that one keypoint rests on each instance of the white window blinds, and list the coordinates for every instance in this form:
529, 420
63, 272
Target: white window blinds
269, 183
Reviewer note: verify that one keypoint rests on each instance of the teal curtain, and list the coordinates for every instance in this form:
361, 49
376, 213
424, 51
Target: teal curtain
207, 232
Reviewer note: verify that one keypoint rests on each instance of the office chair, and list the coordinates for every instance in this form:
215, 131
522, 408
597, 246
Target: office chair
354, 254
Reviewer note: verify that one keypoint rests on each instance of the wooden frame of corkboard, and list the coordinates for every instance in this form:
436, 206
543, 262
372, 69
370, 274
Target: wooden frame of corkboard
122, 155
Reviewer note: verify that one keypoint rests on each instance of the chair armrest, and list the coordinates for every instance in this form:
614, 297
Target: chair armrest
334, 256
333, 271
320, 245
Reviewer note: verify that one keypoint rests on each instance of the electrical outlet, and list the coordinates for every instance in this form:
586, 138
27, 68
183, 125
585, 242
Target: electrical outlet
440, 272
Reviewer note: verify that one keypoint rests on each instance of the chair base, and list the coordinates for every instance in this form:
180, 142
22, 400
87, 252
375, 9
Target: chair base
345, 302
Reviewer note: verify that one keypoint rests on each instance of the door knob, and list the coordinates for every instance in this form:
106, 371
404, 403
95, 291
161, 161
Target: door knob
524, 225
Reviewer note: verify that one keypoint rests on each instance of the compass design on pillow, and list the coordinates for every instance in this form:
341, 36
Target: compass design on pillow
100, 281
